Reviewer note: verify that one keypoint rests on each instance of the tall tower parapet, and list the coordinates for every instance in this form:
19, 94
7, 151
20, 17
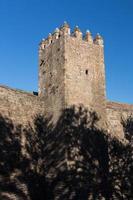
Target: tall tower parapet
56, 34
88, 37
48, 42
77, 33
98, 40
65, 29
72, 71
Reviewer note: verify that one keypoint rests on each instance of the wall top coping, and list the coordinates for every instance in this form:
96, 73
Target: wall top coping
17, 90
119, 106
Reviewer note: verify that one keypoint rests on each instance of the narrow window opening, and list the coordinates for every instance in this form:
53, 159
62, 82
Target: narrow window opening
86, 71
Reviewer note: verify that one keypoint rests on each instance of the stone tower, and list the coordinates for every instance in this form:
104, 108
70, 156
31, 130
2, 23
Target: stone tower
71, 70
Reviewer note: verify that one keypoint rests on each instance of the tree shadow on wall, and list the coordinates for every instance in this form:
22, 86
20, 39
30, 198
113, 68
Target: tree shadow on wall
72, 160
76, 157
121, 163
66, 161
20, 178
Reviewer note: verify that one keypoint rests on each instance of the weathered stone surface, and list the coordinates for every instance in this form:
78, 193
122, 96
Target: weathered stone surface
72, 72
116, 112
20, 106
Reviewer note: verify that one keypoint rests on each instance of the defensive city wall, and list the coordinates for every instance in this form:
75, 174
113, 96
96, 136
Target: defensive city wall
71, 72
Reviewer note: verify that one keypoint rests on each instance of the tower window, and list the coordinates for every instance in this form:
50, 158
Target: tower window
86, 71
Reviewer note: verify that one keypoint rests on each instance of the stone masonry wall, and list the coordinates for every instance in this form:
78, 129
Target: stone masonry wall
116, 112
51, 76
84, 74
19, 106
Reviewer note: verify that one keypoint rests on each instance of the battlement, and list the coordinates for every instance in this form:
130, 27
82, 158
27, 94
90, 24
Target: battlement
64, 30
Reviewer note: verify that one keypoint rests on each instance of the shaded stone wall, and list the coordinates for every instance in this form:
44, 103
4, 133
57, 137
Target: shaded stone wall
20, 106
116, 112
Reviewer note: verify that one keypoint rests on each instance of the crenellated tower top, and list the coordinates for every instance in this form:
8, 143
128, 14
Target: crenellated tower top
64, 30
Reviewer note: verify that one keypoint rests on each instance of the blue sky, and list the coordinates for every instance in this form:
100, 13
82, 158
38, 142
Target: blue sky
23, 23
